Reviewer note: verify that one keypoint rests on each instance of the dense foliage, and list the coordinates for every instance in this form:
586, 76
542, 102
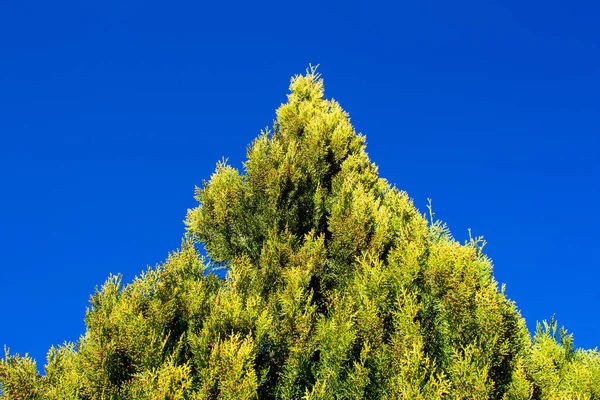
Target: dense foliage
336, 288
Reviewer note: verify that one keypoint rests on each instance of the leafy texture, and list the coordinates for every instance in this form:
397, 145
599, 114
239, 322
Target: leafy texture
336, 288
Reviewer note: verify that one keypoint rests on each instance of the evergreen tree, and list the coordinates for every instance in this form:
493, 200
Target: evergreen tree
336, 288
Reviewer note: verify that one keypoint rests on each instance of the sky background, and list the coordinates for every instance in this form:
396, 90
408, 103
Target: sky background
111, 112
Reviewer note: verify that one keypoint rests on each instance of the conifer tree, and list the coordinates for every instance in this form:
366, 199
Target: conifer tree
337, 287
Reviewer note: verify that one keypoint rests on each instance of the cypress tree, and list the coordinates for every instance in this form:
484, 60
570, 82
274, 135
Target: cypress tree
337, 287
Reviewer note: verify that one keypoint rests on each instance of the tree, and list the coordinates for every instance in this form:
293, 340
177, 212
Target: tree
337, 287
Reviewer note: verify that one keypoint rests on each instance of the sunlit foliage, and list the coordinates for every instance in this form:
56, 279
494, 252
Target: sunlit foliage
336, 287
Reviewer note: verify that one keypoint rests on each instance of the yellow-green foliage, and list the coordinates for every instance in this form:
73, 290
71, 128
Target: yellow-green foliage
336, 288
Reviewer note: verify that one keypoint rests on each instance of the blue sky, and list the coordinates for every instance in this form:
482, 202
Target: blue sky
111, 113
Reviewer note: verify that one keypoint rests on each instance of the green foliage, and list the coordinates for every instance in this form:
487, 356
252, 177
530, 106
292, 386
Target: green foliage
336, 288
19, 377
558, 370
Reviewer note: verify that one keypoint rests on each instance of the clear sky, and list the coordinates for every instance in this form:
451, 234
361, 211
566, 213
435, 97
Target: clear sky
111, 112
